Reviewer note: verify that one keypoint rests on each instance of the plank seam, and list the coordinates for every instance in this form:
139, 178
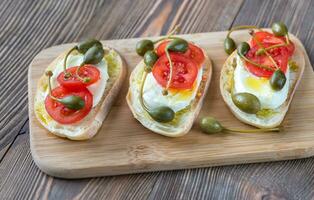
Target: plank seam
12, 142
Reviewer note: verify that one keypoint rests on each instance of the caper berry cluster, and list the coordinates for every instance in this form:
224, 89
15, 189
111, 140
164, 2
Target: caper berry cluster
146, 49
247, 102
93, 53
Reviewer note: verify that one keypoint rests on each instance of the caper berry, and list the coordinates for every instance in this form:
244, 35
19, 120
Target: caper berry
150, 57
246, 102
243, 48
94, 55
143, 46
178, 45
84, 46
162, 114
279, 29
278, 80
72, 102
210, 125
229, 45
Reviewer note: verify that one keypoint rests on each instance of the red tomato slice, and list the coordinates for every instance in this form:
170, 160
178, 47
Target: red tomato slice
184, 71
193, 52
64, 115
161, 48
280, 54
73, 82
196, 54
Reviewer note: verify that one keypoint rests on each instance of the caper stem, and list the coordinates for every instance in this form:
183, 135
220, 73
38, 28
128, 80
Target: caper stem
65, 61
287, 38
50, 74
275, 46
169, 35
252, 130
85, 79
256, 64
164, 38
171, 69
267, 54
141, 92
241, 28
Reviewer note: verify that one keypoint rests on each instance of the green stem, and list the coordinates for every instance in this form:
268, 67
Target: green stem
253, 130
241, 28
256, 64
49, 74
287, 39
169, 35
65, 61
262, 47
275, 46
164, 38
171, 69
83, 79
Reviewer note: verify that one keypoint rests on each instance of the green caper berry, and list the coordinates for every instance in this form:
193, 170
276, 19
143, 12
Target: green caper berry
210, 125
162, 114
279, 29
278, 80
178, 45
94, 55
143, 46
85, 45
246, 102
229, 45
243, 48
72, 102
260, 52
150, 57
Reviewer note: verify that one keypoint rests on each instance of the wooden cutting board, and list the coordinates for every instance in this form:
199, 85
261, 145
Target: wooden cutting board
123, 146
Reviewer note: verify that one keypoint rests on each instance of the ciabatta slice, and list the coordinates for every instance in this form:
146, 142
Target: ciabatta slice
182, 122
89, 126
279, 113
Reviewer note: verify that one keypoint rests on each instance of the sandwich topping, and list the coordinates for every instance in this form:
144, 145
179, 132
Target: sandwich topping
77, 83
261, 76
172, 76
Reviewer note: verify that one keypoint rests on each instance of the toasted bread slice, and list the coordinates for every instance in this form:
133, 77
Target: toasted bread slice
89, 126
183, 120
279, 113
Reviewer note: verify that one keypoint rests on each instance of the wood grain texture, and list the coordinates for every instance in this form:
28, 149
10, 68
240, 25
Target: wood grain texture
123, 146
279, 180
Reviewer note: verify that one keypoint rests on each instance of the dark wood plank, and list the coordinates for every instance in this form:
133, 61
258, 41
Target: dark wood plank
20, 178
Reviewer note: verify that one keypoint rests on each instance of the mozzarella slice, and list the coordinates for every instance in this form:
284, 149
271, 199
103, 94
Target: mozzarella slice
176, 99
97, 89
244, 81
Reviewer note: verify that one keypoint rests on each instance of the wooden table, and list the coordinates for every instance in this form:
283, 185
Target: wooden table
27, 27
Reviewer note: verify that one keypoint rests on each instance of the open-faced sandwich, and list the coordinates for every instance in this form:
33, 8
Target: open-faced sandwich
75, 94
260, 76
168, 86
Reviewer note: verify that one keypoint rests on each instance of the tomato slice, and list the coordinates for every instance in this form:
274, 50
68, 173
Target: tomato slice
184, 71
64, 115
279, 54
193, 52
268, 39
73, 82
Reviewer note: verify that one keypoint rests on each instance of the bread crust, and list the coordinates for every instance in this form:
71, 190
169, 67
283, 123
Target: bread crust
93, 121
252, 119
167, 129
